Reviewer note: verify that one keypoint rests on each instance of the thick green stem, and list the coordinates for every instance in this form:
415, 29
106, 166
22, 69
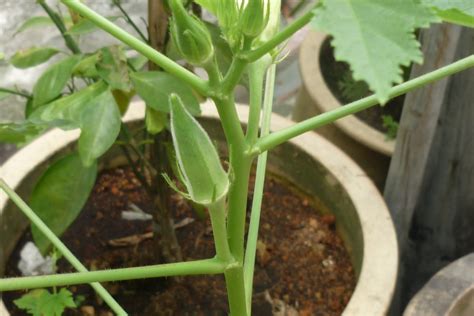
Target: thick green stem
234, 279
237, 202
233, 76
70, 42
252, 237
256, 76
17, 283
240, 169
277, 138
161, 60
198, 267
278, 39
219, 229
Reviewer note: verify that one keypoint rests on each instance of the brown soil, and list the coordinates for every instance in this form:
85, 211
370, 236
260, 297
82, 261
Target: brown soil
333, 71
301, 262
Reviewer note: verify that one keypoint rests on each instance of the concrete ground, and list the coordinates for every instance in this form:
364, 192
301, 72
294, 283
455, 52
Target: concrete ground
14, 12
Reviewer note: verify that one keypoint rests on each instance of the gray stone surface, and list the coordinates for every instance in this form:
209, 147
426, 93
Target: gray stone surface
14, 12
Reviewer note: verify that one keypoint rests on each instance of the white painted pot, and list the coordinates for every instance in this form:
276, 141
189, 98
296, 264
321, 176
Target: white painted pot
317, 167
365, 144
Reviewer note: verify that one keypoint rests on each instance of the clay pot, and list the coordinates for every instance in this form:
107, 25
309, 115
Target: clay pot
310, 162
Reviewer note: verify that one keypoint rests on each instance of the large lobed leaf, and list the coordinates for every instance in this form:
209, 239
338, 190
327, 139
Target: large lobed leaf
376, 37
60, 195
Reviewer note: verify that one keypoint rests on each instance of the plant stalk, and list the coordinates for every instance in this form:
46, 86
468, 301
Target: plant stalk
278, 39
256, 75
198, 267
252, 237
19, 93
129, 20
69, 41
277, 138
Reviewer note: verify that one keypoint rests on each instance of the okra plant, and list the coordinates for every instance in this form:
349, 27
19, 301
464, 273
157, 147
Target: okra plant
376, 37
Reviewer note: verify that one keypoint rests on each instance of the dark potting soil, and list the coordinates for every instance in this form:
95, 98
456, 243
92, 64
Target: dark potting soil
338, 75
302, 264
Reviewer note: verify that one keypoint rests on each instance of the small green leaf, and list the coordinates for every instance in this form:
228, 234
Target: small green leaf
138, 62
100, 126
459, 12
155, 88
86, 68
41, 302
52, 82
67, 112
34, 22
464, 6
85, 26
60, 195
209, 5
32, 57
198, 161
456, 17
155, 121
19, 133
2, 56
123, 99
113, 68
376, 37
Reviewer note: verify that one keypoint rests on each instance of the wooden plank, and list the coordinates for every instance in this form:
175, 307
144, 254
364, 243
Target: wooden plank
415, 139
442, 228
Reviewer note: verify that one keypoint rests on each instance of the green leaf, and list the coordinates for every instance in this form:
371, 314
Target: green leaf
67, 112
19, 133
464, 6
34, 22
138, 62
100, 127
209, 5
375, 37
198, 161
85, 26
86, 68
41, 302
155, 87
458, 12
2, 56
60, 195
113, 68
155, 121
52, 82
32, 57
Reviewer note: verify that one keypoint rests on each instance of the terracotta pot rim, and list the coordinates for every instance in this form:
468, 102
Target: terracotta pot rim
317, 88
377, 278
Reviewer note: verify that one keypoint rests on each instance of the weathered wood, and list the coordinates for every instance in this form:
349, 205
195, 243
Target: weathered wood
417, 128
432, 170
